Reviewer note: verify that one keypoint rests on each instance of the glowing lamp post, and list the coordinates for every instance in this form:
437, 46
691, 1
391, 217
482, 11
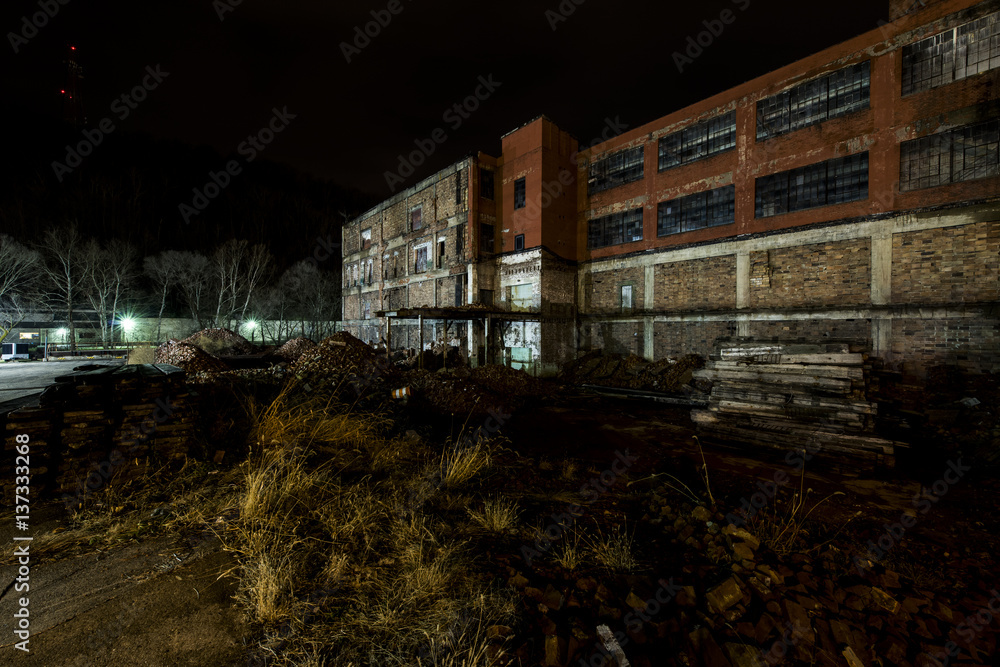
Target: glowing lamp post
252, 326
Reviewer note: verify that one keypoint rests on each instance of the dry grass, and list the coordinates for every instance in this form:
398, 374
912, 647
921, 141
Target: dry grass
568, 552
569, 470
333, 567
461, 464
614, 549
498, 515
781, 524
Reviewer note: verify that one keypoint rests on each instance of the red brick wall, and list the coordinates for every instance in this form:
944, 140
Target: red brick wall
675, 339
821, 274
947, 265
973, 344
700, 284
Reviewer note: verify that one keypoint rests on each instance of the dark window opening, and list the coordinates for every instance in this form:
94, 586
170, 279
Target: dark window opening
519, 242
699, 141
617, 169
441, 253
615, 229
486, 297
963, 154
416, 221
458, 188
697, 211
460, 242
486, 239
520, 198
839, 93
963, 51
832, 182
486, 183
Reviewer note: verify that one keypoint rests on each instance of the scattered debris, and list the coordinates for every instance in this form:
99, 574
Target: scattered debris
295, 348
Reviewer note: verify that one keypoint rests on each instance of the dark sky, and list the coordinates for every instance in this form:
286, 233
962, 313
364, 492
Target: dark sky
607, 59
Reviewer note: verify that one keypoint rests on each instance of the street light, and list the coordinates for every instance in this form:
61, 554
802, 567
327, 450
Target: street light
252, 326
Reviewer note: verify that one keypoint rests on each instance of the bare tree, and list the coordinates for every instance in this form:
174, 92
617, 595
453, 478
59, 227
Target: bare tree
18, 267
312, 298
64, 267
110, 272
238, 272
194, 280
165, 271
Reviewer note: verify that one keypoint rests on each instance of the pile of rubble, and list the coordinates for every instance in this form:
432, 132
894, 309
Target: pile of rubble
220, 342
730, 601
632, 372
295, 348
342, 361
189, 357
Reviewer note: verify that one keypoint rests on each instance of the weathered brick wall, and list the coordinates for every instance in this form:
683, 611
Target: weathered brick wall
947, 265
447, 205
613, 337
352, 306
821, 274
814, 331
606, 289
421, 294
446, 291
675, 339
700, 284
972, 344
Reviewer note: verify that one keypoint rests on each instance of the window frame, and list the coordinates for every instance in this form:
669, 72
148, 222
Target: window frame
613, 170
419, 211
808, 103
518, 242
708, 138
520, 193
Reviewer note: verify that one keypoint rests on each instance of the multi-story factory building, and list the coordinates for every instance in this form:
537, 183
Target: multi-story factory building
853, 195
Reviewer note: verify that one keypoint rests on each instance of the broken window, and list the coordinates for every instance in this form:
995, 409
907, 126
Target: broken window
520, 196
367, 309
617, 169
832, 182
441, 253
416, 221
420, 259
615, 229
486, 183
704, 209
519, 242
963, 51
626, 298
486, 238
521, 297
963, 154
370, 272
698, 141
836, 94
366, 239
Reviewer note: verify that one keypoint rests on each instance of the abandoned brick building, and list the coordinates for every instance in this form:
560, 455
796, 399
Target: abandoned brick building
852, 195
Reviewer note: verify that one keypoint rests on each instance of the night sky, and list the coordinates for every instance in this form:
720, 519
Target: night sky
605, 60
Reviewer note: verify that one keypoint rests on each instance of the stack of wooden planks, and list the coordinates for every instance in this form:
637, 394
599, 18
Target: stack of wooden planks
793, 397
108, 422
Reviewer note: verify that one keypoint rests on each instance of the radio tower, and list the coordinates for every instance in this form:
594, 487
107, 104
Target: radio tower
72, 93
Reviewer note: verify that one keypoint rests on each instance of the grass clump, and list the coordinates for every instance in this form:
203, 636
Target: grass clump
498, 515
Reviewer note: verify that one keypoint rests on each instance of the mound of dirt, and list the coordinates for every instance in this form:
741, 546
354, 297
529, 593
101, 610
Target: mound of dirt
506, 381
295, 348
220, 342
190, 358
342, 359
451, 393
632, 372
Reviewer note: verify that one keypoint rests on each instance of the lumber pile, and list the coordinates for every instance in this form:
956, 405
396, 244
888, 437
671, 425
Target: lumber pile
794, 397
103, 423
